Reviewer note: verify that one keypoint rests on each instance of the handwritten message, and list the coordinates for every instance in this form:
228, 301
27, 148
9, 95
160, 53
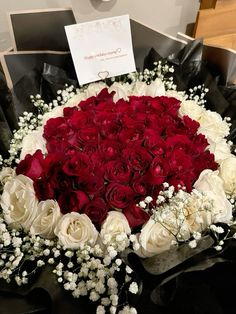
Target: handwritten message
102, 46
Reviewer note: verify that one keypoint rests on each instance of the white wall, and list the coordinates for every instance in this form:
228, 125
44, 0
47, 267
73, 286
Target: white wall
169, 16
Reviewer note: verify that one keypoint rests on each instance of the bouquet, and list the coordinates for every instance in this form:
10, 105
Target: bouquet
126, 165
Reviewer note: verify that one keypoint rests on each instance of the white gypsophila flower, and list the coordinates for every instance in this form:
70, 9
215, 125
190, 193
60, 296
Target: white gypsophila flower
142, 204
47, 219
6, 174
115, 225
212, 185
122, 91
75, 229
112, 283
148, 199
128, 310
133, 288
100, 310
154, 238
192, 244
192, 109
19, 202
32, 142
220, 149
197, 210
227, 173
213, 126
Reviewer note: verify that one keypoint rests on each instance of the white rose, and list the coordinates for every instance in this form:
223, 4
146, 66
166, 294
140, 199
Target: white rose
228, 175
212, 126
156, 88
139, 88
212, 185
192, 109
94, 89
220, 149
154, 239
114, 225
19, 202
33, 141
6, 174
75, 229
122, 91
47, 219
176, 94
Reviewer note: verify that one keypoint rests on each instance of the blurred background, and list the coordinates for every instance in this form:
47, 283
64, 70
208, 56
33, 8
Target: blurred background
170, 16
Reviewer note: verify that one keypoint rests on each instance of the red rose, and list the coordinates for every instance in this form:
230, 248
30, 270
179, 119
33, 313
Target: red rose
139, 185
171, 105
122, 107
135, 216
103, 118
157, 105
117, 171
158, 171
96, 210
179, 141
138, 103
80, 119
55, 127
53, 159
77, 164
200, 143
154, 143
104, 97
190, 125
131, 136
181, 180
179, 162
110, 149
44, 190
54, 174
69, 111
88, 135
32, 165
118, 195
137, 157
72, 201
110, 130
97, 160
154, 122
55, 145
88, 104
92, 183
206, 160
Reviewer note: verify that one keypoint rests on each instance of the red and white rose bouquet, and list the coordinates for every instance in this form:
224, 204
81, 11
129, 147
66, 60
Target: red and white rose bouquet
132, 164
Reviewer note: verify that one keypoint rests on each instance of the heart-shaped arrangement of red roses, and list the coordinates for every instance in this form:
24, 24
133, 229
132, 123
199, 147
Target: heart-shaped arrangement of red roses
104, 155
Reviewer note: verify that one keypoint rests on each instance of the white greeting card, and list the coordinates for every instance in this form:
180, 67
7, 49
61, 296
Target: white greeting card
101, 48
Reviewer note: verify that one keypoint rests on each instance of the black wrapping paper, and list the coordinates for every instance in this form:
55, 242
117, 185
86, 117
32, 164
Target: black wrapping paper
46, 27
8, 120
